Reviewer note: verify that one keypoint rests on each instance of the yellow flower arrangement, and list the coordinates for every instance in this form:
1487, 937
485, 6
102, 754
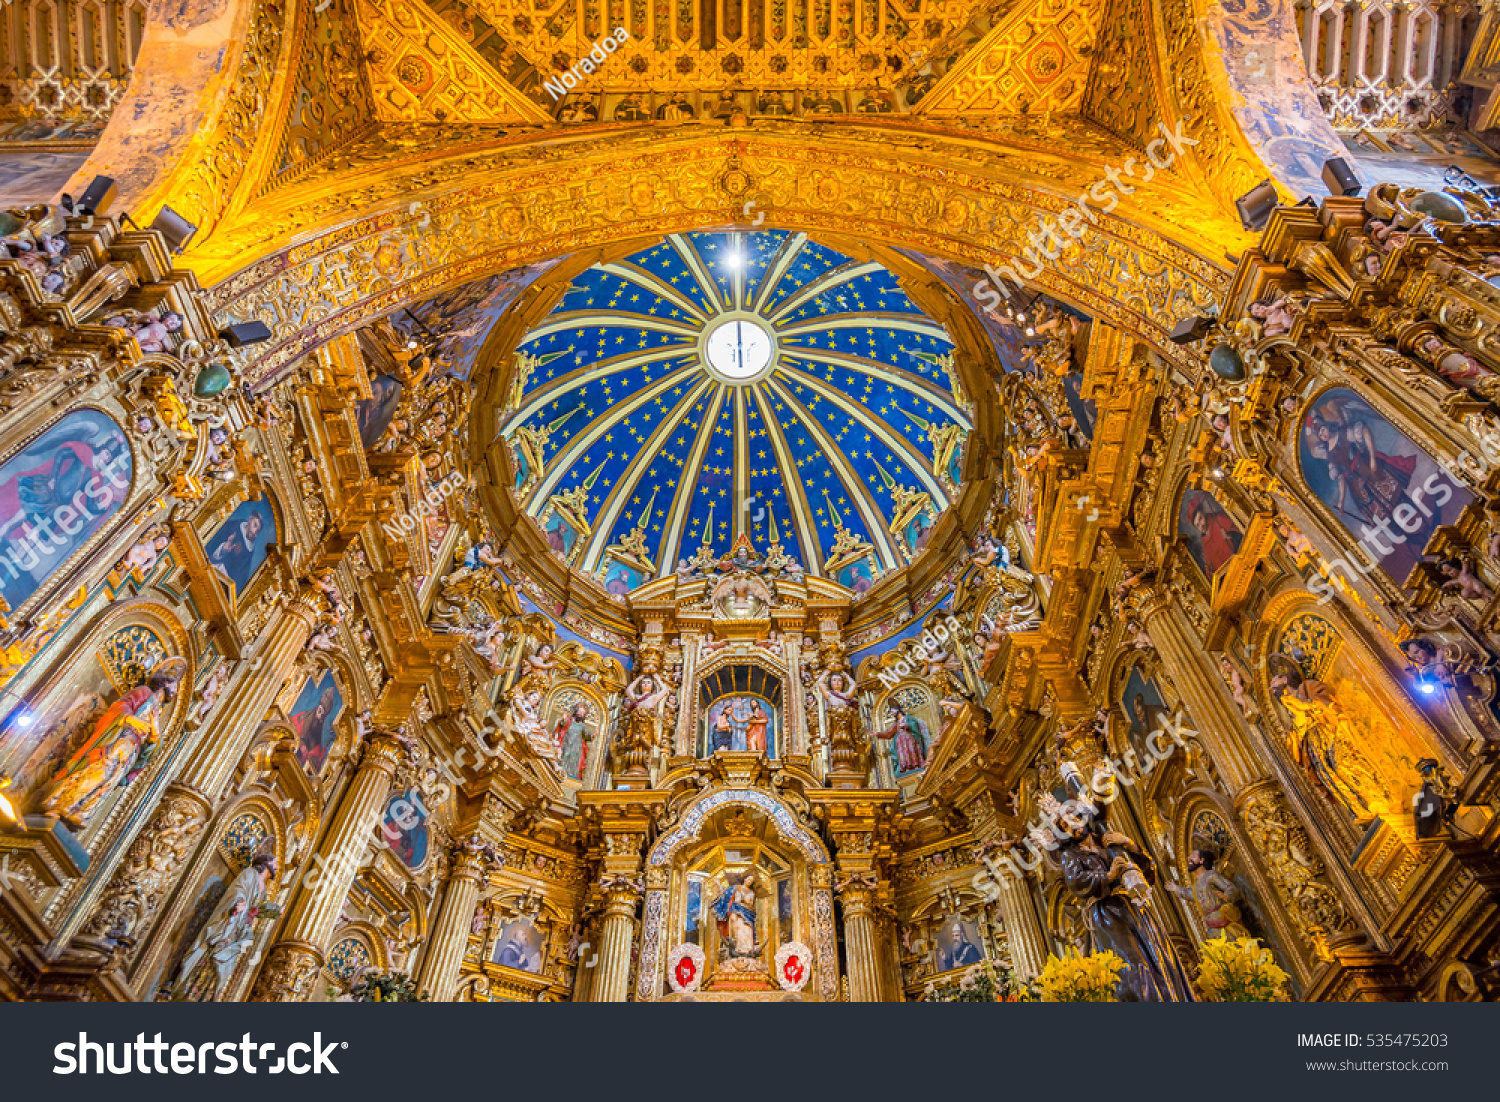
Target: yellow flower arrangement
1079, 979
1241, 971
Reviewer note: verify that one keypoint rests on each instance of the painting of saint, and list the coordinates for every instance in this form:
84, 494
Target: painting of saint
573, 735
1145, 709
856, 576
918, 532
55, 495
958, 944
691, 932
404, 825
909, 739
520, 946
238, 548
620, 579
313, 715
784, 907
560, 535
1386, 491
1212, 536
373, 415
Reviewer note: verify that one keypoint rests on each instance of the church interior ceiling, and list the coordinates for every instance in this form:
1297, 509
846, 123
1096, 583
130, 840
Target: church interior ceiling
863, 501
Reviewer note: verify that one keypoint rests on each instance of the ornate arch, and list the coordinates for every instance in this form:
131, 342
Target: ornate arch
691, 824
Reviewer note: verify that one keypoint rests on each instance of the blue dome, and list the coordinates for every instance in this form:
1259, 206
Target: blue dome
722, 384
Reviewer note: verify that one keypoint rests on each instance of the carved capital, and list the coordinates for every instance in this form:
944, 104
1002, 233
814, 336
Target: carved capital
288, 974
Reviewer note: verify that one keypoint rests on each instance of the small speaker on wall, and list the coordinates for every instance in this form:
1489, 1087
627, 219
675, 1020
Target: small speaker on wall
176, 229
1339, 178
1256, 205
1189, 330
99, 197
246, 332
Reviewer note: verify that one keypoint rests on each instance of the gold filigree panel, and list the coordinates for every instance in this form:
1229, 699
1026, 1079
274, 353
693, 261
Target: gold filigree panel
331, 100
1034, 62
344, 278
422, 70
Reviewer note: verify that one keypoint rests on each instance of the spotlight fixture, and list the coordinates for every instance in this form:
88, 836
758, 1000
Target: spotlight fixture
1256, 205
1339, 178
246, 332
177, 230
97, 198
1191, 330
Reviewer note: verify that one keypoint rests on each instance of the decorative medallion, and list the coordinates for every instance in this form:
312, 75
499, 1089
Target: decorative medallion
793, 966
685, 968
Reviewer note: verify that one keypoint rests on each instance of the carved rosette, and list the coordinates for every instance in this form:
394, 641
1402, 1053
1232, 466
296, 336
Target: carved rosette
288, 975
151, 867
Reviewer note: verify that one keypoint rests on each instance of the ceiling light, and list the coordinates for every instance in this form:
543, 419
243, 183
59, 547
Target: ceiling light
733, 260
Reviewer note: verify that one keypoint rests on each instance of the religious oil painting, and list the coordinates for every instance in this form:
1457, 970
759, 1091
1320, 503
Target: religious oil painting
373, 415
959, 944
312, 717
1145, 712
1389, 494
1211, 534
238, 548
404, 826
55, 494
522, 945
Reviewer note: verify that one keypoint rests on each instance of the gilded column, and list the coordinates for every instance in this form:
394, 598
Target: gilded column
1023, 929
1215, 720
141, 884
294, 961
611, 981
471, 859
861, 943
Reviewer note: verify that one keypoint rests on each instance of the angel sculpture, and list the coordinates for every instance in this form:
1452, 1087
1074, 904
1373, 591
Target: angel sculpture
1461, 577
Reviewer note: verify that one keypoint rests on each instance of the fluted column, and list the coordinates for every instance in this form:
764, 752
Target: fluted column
617, 934
1217, 722
143, 881
294, 961
861, 943
1023, 929
450, 933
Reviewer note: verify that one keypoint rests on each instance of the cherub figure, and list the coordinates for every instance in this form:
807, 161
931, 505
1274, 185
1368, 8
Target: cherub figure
1462, 578
326, 639
147, 551
1236, 683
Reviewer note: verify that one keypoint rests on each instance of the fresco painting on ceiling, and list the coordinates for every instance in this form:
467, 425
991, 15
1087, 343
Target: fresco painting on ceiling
804, 445
1420, 158
1275, 104
1374, 478
312, 717
1211, 534
85, 460
239, 546
462, 319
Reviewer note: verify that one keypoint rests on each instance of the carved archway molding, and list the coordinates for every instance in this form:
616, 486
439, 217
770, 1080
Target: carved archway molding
649, 978
379, 237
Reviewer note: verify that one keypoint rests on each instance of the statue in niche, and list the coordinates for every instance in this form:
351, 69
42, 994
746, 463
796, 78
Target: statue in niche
734, 912
1325, 743
1216, 896
643, 700
118, 749
525, 714
573, 736
228, 934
